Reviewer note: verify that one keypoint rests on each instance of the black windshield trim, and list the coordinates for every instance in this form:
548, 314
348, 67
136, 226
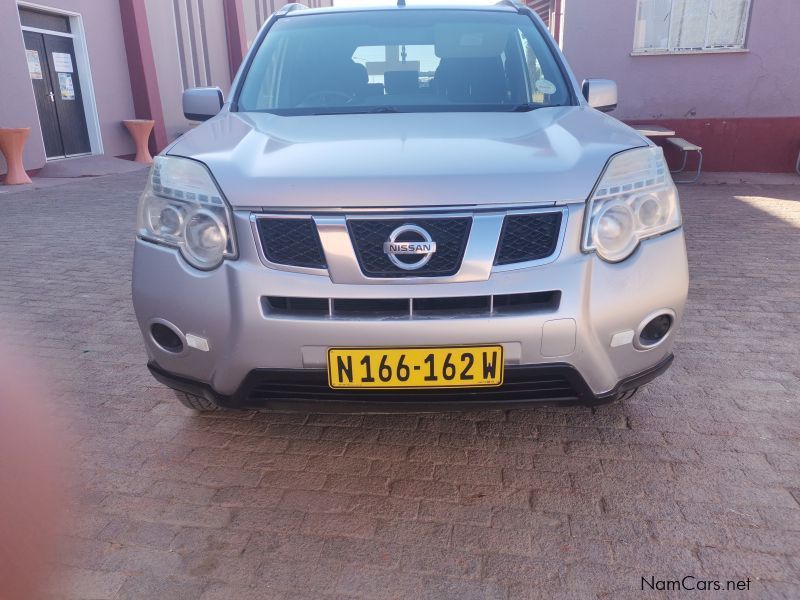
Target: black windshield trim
244, 70
332, 10
410, 109
556, 53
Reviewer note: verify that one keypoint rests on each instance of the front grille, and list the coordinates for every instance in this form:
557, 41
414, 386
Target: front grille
415, 308
450, 235
524, 237
545, 383
527, 237
292, 242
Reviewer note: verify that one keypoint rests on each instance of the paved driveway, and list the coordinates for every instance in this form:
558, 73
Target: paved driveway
698, 475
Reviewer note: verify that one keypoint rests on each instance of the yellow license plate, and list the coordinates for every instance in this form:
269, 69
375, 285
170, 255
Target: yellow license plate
393, 368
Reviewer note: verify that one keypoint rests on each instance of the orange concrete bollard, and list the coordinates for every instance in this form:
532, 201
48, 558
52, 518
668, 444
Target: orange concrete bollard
12, 141
140, 132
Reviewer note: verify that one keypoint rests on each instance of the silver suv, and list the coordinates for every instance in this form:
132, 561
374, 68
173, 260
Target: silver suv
408, 207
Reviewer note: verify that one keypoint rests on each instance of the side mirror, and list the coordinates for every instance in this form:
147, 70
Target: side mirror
600, 94
200, 104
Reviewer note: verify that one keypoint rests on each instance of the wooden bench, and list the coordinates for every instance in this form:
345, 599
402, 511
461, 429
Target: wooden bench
686, 147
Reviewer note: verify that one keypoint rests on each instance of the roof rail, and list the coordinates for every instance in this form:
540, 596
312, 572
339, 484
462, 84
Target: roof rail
290, 8
511, 3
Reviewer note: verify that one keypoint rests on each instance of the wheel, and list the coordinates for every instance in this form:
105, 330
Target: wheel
628, 394
197, 403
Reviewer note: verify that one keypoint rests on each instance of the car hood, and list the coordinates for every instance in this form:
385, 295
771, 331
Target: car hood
549, 155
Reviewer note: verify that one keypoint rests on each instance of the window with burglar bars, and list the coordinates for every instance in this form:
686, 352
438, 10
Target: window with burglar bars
690, 25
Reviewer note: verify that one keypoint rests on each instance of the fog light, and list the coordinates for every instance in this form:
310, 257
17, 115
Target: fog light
165, 337
656, 330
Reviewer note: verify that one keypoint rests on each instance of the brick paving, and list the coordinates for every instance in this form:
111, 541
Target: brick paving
698, 475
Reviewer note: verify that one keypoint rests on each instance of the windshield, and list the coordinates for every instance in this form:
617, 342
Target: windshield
403, 61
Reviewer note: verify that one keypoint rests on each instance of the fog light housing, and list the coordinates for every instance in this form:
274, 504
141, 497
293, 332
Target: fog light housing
655, 330
166, 337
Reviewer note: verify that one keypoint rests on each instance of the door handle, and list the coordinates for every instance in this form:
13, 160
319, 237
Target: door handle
52, 97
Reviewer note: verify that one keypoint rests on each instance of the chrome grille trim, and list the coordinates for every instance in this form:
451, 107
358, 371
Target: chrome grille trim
478, 258
542, 261
254, 218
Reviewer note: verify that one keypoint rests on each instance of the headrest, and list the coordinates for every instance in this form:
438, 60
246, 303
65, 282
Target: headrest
401, 82
461, 40
360, 73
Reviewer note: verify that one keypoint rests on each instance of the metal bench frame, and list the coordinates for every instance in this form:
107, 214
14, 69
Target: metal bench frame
699, 164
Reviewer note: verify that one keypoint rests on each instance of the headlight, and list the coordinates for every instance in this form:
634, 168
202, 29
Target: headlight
635, 199
183, 207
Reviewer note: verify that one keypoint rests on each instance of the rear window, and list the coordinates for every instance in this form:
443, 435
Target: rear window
404, 61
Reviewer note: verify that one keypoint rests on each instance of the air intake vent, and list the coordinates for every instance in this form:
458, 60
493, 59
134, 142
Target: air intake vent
558, 383
528, 237
292, 242
461, 307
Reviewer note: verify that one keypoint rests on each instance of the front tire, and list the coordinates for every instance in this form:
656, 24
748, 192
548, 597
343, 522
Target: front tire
198, 403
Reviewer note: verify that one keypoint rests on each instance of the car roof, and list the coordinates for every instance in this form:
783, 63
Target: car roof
297, 9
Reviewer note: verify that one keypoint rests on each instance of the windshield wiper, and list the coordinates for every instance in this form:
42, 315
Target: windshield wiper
530, 106
369, 110
362, 111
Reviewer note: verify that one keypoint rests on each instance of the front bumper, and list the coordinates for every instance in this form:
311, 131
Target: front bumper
598, 301
556, 384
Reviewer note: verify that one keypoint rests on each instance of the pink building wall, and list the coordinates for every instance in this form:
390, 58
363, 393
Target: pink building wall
112, 88
17, 84
135, 63
743, 107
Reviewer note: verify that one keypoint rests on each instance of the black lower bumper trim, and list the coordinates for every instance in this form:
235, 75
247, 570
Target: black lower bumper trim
307, 389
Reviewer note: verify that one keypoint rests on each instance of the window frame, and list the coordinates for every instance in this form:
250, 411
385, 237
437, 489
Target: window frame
706, 49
